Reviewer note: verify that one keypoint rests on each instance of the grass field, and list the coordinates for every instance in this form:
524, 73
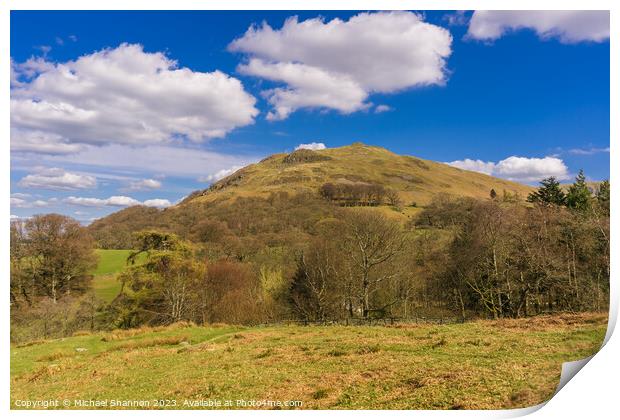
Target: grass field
111, 262
477, 365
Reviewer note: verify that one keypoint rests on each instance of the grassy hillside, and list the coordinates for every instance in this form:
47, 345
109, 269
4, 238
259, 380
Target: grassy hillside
259, 199
484, 364
111, 262
417, 180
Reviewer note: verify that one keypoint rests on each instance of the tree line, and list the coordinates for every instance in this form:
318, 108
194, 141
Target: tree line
359, 194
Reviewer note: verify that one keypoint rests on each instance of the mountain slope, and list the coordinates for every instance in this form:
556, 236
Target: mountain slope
277, 200
415, 179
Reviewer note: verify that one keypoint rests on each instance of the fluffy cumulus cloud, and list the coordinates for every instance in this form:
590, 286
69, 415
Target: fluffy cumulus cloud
115, 201
121, 95
216, 176
515, 168
474, 165
337, 64
569, 26
57, 179
312, 146
157, 202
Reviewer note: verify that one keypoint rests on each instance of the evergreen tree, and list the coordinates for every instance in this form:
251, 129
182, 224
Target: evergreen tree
579, 195
549, 192
602, 196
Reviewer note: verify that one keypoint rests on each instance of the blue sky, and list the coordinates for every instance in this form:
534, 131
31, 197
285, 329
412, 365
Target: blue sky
102, 101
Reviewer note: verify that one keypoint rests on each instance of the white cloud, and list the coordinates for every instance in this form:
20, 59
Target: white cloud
144, 184
42, 142
18, 202
128, 160
25, 204
312, 146
115, 201
219, 174
57, 179
157, 202
379, 109
39, 203
515, 168
29, 69
458, 18
589, 151
123, 95
474, 165
338, 64
309, 87
569, 26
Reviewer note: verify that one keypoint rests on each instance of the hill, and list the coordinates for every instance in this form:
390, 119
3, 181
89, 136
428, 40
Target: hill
416, 180
476, 365
281, 194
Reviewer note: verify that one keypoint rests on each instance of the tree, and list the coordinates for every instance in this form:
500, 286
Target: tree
19, 289
161, 290
371, 242
229, 292
314, 289
393, 198
549, 193
60, 253
579, 196
603, 196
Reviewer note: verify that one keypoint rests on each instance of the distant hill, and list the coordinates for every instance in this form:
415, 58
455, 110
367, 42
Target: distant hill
416, 180
592, 186
242, 200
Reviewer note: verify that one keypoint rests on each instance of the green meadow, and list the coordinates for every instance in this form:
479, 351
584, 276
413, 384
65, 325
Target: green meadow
105, 281
476, 365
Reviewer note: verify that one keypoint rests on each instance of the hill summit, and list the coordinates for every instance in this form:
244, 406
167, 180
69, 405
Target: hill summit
416, 180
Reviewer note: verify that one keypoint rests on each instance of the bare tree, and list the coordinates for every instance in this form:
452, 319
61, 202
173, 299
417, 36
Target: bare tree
371, 242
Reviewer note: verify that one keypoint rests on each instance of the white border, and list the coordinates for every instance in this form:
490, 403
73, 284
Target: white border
591, 394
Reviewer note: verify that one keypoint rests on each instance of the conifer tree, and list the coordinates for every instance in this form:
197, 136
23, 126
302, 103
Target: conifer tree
579, 196
549, 192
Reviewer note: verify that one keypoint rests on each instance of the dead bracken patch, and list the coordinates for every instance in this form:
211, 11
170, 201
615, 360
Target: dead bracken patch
54, 356
154, 342
546, 322
31, 343
116, 335
368, 349
44, 372
319, 394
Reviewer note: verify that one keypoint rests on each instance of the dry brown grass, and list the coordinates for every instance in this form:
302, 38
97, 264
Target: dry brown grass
476, 365
549, 322
153, 342
118, 334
